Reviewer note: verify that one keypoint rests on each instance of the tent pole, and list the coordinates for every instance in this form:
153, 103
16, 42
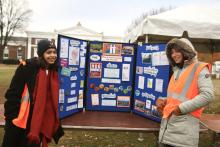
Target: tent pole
146, 39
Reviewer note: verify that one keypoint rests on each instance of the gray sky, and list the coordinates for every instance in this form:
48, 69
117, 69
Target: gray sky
109, 16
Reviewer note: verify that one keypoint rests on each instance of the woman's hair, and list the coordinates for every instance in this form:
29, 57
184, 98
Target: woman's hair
186, 55
42, 63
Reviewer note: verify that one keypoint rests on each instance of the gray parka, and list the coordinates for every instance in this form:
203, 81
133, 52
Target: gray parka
183, 130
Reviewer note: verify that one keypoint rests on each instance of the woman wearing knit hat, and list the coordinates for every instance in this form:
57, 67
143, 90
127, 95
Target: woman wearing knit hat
31, 107
190, 89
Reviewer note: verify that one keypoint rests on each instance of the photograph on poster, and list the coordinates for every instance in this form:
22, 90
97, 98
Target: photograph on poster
146, 58
80, 103
139, 105
82, 62
125, 72
73, 56
147, 112
95, 99
139, 70
64, 44
80, 94
61, 95
81, 83
96, 48
61, 108
83, 48
149, 83
141, 80
95, 70
81, 53
163, 58
128, 50
113, 49
156, 59
159, 85
123, 101
154, 111
159, 59
148, 104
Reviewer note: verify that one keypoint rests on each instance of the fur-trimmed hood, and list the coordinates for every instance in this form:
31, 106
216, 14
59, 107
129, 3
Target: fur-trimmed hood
187, 49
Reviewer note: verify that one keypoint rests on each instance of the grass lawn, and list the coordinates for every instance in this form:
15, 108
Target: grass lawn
77, 138
6, 73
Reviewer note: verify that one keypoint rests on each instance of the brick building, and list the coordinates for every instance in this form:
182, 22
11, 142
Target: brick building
16, 48
26, 47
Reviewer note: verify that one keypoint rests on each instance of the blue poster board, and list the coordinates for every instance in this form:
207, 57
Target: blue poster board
151, 79
110, 76
72, 61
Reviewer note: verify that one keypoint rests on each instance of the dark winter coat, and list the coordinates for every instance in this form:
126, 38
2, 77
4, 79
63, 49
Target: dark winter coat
24, 74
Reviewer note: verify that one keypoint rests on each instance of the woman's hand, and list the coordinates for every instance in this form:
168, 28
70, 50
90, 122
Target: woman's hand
177, 111
22, 62
161, 103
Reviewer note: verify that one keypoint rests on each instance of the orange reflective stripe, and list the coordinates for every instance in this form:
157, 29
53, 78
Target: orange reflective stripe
22, 118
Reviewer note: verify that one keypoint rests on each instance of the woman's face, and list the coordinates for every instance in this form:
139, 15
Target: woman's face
50, 55
176, 55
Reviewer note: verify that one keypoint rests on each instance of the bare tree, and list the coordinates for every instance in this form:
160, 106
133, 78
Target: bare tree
14, 17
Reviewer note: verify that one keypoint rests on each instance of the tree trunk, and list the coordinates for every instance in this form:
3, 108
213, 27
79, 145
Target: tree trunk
1, 53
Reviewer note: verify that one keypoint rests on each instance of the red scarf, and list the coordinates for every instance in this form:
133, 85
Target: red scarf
44, 121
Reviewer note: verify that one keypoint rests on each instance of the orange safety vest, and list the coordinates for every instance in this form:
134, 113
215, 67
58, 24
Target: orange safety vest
21, 120
184, 88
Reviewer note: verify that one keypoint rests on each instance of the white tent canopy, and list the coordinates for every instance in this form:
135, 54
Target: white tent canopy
200, 21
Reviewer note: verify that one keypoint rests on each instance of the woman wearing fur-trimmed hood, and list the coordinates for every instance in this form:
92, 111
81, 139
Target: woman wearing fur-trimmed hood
185, 47
190, 89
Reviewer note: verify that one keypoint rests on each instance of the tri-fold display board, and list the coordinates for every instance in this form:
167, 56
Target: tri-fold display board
110, 76
72, 61
113, 82
151, 79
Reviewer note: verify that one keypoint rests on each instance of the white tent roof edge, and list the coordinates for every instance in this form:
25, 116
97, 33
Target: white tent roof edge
199, 21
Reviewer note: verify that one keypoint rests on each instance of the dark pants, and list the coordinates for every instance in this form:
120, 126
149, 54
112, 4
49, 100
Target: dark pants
15, 137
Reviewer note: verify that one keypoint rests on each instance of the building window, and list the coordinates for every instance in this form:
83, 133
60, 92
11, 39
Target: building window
5, 53
37, 40
19, 53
